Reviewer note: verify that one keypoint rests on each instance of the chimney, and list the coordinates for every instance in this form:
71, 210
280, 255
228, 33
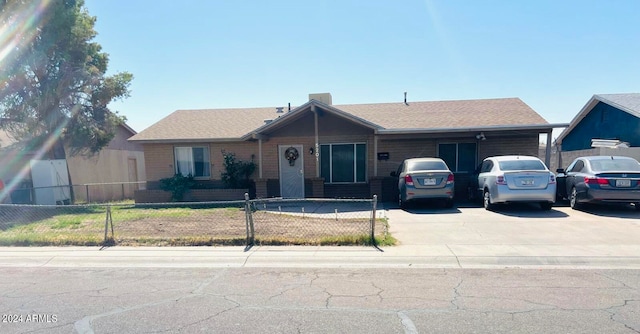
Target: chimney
405, 99
289, 107
322, 97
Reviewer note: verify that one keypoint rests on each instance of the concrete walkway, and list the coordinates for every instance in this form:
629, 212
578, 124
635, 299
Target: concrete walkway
426, 256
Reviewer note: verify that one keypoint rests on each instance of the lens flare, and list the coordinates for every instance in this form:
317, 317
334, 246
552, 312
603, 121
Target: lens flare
21, 22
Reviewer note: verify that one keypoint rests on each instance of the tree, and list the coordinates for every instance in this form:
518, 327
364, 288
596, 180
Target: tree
53, 84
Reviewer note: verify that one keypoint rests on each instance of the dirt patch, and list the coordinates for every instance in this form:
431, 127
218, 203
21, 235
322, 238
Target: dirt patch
187, 226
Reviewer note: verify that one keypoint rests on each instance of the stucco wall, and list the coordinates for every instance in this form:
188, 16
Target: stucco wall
109, 166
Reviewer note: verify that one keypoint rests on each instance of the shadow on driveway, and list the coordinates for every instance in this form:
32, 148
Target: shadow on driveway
427, 207
612, 210
527, 210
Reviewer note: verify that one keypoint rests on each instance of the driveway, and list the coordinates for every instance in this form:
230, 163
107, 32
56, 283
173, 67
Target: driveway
519, 230
512, 225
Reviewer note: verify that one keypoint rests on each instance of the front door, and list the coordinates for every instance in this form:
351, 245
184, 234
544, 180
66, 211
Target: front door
291, 171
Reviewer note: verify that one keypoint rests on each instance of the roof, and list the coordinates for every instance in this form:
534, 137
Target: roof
240, 123
447, 114
629, 102
6, 139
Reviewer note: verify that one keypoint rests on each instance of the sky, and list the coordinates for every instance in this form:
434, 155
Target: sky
207, 54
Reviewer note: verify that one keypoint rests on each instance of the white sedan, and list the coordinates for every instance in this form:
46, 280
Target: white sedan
516, 178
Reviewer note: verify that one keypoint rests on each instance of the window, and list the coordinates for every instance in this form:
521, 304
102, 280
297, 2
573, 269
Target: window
487, 166
427, 165
342, 163
576, 166
607, 165
521, 165
192, 160
460, 157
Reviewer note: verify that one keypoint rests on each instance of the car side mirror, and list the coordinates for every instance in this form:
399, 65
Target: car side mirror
560, 170
393, 174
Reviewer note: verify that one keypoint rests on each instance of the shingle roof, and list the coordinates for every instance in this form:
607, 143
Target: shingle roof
447, 114
629, 102
205, 124
232, 124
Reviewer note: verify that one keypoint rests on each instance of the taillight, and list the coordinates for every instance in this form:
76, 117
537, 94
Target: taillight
552, 179
595, 180
450, 179
500, 180
408, 180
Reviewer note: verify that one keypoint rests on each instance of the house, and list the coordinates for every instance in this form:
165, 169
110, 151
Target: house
605, 124
96, 178
323, 150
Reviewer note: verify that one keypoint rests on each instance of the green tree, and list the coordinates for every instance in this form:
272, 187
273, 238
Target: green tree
53, 84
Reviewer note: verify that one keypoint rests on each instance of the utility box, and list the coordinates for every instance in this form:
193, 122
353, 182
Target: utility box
50, 182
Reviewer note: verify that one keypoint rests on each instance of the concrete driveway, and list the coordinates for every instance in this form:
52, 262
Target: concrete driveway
605, 233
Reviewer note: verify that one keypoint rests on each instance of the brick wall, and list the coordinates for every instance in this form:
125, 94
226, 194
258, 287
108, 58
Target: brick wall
360, 190
158, 159
508, 145
400, 149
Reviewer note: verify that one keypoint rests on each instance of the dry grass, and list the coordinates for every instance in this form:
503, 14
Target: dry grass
180, 226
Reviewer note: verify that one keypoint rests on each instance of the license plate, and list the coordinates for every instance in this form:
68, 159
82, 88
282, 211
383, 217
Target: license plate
623, 183
429, 182
526, 182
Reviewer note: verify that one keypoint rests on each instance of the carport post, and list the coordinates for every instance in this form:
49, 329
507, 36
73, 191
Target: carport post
547, 154
374, 204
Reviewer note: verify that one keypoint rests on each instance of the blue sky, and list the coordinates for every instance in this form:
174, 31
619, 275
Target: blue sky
554, 55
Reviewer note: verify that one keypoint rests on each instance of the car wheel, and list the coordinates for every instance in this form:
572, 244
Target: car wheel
486, 200
546, 206
573, 199
402, 204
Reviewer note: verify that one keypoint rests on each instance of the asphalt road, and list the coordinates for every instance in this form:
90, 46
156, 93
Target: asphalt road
307, 300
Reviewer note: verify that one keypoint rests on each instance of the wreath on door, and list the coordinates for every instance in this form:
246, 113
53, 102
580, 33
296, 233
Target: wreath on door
291, 154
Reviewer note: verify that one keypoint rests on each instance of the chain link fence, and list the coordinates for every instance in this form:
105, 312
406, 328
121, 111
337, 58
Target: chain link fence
315, 221
248, 222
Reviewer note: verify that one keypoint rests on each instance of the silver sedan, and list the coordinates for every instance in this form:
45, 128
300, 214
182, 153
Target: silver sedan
518, 178
424, 178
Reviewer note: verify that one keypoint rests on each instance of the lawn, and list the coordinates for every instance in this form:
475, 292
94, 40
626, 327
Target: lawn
176, 226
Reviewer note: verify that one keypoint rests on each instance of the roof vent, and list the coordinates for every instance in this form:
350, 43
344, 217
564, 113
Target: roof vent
267, 121
322, 97
279, 110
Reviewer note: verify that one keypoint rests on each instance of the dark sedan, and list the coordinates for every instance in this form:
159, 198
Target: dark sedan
600, 179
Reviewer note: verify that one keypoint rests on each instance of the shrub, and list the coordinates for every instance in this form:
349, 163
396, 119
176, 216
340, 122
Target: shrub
236, 172
178, 185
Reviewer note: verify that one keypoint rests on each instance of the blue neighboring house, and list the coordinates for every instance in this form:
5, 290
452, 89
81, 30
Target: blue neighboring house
605, 116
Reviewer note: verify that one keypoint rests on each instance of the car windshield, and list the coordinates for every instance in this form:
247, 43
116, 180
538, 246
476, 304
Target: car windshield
427, 165
521, 165
615, 165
